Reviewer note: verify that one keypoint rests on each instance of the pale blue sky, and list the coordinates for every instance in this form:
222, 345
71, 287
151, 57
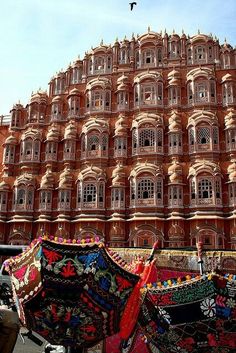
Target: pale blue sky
40, 37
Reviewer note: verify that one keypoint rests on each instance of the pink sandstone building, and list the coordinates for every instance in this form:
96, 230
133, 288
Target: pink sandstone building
134, 143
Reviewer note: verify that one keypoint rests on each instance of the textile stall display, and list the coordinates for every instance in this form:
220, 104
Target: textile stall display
77, 293
200, 310
71, 294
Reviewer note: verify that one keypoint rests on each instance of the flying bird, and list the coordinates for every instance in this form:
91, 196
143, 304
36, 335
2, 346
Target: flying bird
132, 5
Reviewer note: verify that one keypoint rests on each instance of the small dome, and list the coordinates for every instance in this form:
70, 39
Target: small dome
230, 119
70, 131
175, 172
121, 126
232, 172
39, 97
227, 77
11, 140
118, 176
47, 181
17, 106
66, 179
74, 92
53, 134
4, 186
122, 78
56, 99
175, 123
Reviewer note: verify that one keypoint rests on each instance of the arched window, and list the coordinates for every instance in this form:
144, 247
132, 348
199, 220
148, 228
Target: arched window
174, 95
93, 143
203, 135
45, 202
117, 198
64, 197
73, 103
122, 100
175, 195
123, 56
145, 189
89, 193
23, 198
76, 75
175, 143
200, 54
69, 150
99, 64
148, 57
51, 151
205, 189
9, 154
146, 138
3, 201
97, 100
120, 146
148, 94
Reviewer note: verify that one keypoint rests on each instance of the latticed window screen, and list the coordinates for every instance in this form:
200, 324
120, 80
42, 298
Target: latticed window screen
51, 148
99, 63
212, 89
200, 53
100, 193
147, 138
64, 196
115, 195
159, 55
107, 99
79, 192
93, 142
134, 138
148, 57
146, 189
120, 143
132, 190
89, 193
159, 189
191, 136
148, 94
20, 199
45, 197
193, 189
218, 190
30, 197
201, 90
159, 137
104, 142
83, 143
109, 62
36, 149
231, 136
3, 198
203, 135
215, 135
28, 147
204, 189
232, 191
159, 92
97, 99
175, 140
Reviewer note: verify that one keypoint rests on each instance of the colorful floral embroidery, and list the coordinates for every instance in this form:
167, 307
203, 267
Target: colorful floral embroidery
208, 307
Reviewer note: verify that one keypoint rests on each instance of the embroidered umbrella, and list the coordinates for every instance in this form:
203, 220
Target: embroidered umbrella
201, 312
71, 294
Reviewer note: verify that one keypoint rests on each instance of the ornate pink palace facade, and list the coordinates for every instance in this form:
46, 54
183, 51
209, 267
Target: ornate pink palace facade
134, 143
